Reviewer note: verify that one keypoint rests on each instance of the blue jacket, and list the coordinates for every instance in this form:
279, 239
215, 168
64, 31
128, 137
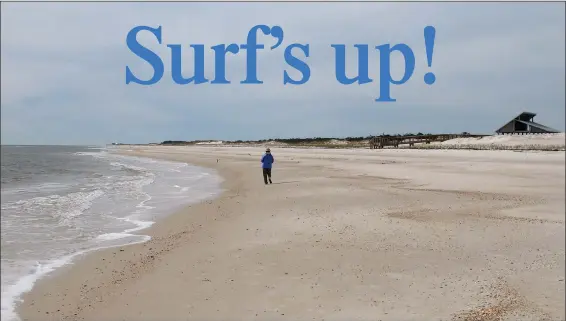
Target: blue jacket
267, 160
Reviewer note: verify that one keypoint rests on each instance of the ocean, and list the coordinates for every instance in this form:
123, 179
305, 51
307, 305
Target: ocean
60, 201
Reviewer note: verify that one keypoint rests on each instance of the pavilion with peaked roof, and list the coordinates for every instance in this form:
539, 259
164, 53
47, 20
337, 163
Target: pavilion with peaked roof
524, 124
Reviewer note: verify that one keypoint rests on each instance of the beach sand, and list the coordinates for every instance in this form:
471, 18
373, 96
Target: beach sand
340, 235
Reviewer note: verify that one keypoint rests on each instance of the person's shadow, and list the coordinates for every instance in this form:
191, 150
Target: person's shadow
289, 182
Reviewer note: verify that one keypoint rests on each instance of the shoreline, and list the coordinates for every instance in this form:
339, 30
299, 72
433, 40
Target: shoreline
87, 258
57, 266
103, 284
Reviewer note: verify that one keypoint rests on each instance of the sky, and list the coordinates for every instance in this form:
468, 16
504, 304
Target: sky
63, 71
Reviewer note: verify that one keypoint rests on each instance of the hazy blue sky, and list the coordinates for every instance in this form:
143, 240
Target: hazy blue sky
63, 71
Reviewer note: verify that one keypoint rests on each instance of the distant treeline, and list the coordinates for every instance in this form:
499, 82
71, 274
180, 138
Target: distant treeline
303, 140
176, 142
292, 141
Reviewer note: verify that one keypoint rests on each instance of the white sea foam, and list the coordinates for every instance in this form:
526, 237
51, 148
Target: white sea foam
105, 210
12, 294
62, 207
140, 225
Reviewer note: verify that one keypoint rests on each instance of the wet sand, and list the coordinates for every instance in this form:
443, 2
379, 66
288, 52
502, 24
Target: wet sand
341, 234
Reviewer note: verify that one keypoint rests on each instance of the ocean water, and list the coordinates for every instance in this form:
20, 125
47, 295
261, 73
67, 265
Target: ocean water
59, 202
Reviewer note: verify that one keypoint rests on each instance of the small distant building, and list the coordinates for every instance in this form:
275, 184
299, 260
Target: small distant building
524, 124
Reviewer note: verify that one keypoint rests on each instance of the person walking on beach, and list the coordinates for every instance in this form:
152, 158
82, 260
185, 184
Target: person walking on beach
267, 161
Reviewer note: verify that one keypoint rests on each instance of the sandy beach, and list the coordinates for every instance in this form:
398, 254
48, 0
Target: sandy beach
340, 235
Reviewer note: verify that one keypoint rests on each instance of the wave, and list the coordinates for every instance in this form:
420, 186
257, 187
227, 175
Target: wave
12, 295
64, 208
129, 167
42, 187
106, 210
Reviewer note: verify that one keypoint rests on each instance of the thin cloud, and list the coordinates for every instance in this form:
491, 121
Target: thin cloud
63, 73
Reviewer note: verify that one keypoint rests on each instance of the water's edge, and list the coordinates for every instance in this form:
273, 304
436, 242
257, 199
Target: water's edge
50, 270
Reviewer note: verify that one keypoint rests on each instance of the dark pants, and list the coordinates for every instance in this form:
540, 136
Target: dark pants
266, 174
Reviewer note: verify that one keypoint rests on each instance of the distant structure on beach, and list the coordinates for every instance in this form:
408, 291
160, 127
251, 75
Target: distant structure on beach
524, 124
378, 142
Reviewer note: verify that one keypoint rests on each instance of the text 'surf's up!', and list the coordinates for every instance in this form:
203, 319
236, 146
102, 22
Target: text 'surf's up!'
295, 55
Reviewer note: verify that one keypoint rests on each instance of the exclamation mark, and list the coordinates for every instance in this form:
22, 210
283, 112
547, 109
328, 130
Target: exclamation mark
429, 33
